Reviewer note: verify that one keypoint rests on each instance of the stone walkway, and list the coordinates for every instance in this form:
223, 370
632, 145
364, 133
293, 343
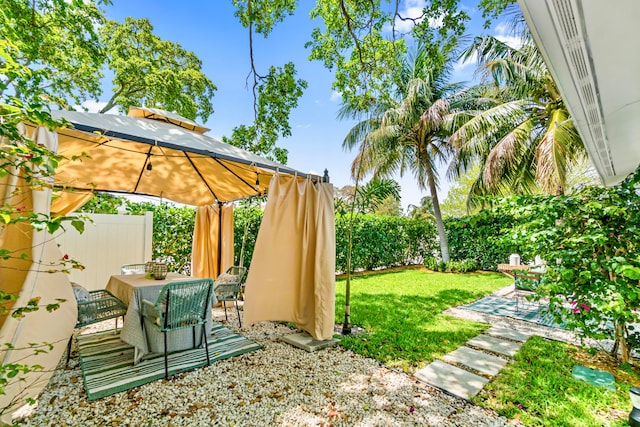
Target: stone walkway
464, 371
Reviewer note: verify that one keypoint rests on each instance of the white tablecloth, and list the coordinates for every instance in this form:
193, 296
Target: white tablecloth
132, 289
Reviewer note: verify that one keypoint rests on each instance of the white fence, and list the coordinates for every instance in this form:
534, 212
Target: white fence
106, 244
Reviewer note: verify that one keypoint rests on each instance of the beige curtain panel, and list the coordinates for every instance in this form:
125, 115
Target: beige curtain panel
292, 275
33, 282
206, 233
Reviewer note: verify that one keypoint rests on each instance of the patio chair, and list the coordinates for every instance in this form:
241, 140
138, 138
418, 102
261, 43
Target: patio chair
132, 269
228, 287
180, 305
525, 284
94, 307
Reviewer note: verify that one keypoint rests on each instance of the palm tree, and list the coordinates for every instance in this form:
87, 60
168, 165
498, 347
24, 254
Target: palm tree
515, 123
423, 211
406, 132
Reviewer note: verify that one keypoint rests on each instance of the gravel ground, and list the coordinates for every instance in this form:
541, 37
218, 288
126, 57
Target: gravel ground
278, 385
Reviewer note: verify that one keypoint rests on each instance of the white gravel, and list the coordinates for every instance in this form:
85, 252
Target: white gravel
277, 385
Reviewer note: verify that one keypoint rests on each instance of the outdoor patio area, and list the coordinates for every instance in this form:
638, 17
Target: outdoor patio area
278, 384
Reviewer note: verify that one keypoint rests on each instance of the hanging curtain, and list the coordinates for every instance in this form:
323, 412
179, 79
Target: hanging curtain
212, 251
66, 202
29, 279
292, 274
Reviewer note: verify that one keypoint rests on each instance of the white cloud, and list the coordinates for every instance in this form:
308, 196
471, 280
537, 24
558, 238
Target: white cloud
462, 65
335, 96
502, 32
412, 9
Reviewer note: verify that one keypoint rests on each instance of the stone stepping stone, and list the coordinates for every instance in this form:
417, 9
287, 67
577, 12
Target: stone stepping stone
496, 345
481, 362
511, 334
452, 379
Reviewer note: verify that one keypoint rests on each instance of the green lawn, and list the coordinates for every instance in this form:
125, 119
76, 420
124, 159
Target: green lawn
402, 312
538, 388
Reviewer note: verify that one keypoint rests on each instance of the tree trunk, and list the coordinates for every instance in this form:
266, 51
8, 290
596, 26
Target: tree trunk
621, 339
444, 244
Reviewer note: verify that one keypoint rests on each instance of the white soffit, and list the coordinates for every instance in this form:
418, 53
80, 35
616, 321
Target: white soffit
591, 48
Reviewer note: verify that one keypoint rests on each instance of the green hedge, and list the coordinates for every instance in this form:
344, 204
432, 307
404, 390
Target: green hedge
249, 219
378, 241
383, 241
483, 237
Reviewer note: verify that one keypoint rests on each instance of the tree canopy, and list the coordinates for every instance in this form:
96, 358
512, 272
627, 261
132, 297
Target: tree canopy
151, 72
57, 42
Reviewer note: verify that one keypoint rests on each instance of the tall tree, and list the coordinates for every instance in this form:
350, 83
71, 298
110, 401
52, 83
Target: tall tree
152, 72
519, 128
276, 92
460, 201
57, 41
407, 132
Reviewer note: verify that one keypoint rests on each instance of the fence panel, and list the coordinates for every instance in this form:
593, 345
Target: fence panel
106, 244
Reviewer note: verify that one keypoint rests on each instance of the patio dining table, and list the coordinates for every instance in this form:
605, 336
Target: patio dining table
132, 289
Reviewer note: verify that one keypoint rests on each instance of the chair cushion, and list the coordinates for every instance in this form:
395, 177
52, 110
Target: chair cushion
81, 293
226, 278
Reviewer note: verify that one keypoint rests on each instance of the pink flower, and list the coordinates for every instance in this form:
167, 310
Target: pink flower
411, 409
576, 310
520, 406
585, 307
574, 303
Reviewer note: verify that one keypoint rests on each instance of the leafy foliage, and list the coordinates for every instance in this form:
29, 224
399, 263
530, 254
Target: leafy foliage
459, 200
247, 220
383, 241
25, 166
57, 42
515, 122
483, 237
275, 93
152, 72
367, 198
463, 266
591, 242
354, 44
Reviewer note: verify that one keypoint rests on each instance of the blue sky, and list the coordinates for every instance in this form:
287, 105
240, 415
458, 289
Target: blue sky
210, 30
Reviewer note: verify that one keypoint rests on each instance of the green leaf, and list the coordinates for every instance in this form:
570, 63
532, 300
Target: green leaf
78, 225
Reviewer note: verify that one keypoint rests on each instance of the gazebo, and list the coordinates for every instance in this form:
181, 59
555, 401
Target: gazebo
153, 152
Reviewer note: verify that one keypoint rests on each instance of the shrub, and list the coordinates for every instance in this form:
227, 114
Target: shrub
484, 237
594, 237
383, 241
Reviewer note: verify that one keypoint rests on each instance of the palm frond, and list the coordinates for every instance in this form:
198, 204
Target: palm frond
504, 156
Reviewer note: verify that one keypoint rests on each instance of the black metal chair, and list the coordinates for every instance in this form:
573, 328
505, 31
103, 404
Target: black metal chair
101, 305
228, 287
180, 305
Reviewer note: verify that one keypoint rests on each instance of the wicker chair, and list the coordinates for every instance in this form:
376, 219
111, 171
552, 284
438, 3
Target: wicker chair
180, 305
132, 269
101, 305
228, 287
